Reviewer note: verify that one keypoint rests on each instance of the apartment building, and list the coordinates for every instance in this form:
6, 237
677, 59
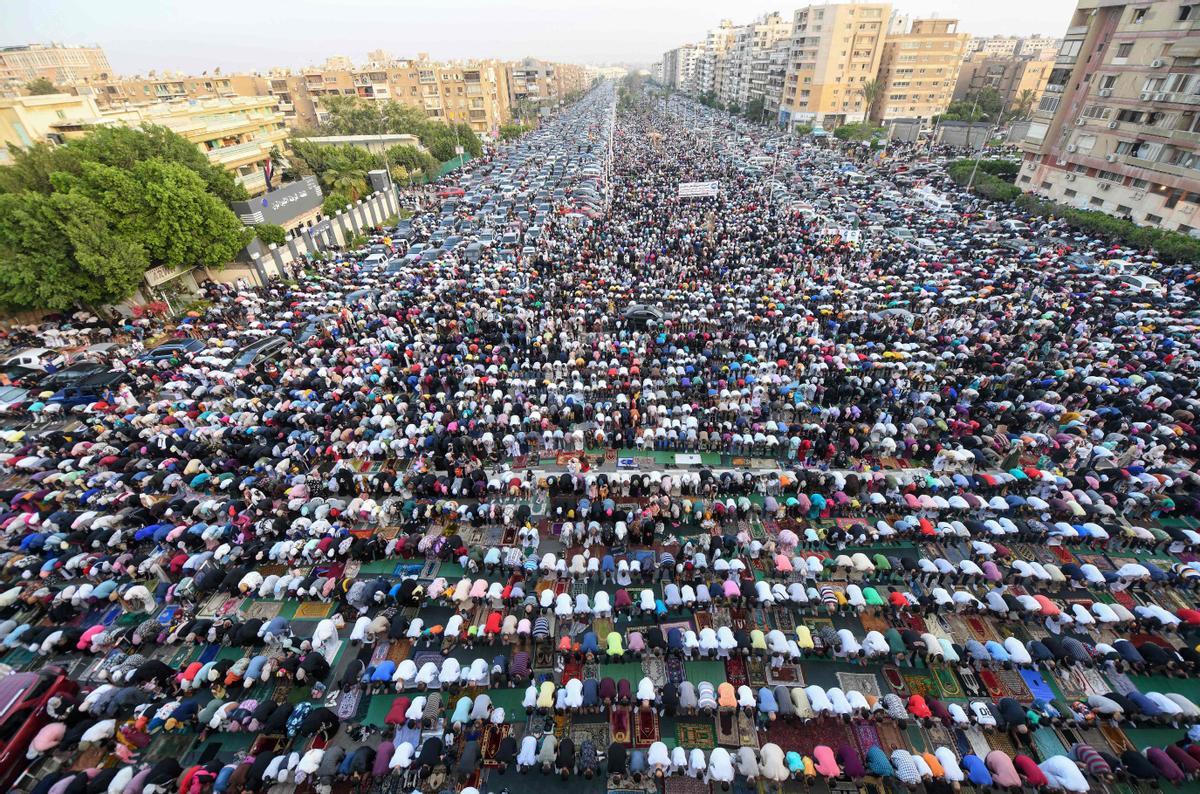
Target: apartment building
236, 133
61, 64
918, 69
544, 84
712, 57
1008, 76
835, 49
747, 59
116, 93
1118, 128
679, 67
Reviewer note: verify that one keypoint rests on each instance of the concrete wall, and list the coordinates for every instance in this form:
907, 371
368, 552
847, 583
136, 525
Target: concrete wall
963, 134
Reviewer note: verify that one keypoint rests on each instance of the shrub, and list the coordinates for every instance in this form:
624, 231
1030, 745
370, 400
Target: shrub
270, 233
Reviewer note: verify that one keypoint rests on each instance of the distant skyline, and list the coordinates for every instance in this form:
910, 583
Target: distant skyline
168, 35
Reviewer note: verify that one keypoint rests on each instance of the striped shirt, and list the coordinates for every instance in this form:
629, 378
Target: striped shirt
541, 628
1095, 763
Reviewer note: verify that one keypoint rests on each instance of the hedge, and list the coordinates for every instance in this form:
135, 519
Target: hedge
270, 233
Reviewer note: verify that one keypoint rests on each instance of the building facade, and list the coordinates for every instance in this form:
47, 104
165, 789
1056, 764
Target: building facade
120, 93
918, 69
1008, 76
835, 49
59, 63
1118, 128
26, 121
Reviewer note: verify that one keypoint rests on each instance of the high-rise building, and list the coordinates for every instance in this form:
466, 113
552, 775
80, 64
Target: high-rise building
115, 93
835, 49
1118, 127
716, 43
679, 66
748, 57
918, 69
61, 64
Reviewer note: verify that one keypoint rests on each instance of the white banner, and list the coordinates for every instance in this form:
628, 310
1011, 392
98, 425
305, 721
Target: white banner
697, 189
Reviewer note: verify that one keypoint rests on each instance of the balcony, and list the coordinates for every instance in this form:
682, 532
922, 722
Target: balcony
254, 183
1186, 137
1179, 97
1078, 30
1162, 168
286, 107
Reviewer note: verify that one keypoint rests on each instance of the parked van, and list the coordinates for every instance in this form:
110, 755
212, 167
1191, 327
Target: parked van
934, 201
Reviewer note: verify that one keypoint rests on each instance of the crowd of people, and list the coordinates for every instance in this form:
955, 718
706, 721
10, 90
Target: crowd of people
927, 417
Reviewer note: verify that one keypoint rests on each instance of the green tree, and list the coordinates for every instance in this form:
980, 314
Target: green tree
1022, 105
413, 161
334, 202
60, 251
803, 129
755, 109
871, 92
348, 181
859, 132
270, 233
510, 132
40, 85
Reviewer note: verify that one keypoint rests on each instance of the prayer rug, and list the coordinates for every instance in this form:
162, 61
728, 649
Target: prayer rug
1121, 683
995, 687
726, 726
682, 625
682, 784
420, 658
1014, 685
740, 619
572, 669
1038, 686
948, 683
977, 742
347, 705
620, 725
398, 650
1000, 740
646, 728
938, 735
919, 683
656, 670
970, 682
873, 622
1116, 739
756, 671
735, 671
543, 655
747, 730
916, 623
313, 610
603, 627
783, 619
787, 674
596, 732
704, 620
980, 628
591, 670
866, 734
489, 743
866, 683
890, 737
692, 734
676, 670
1048, 743
895, 680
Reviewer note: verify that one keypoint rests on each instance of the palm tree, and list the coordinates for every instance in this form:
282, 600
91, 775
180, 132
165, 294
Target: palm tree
1022, 105
870, 91
351, 182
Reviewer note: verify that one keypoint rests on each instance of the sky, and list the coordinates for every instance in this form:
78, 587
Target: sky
255, 35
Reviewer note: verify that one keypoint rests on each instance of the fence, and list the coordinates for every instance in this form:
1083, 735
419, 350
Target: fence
269, 262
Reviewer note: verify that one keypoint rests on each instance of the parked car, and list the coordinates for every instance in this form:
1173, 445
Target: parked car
13, 398
270, 349
37, 358
180, 348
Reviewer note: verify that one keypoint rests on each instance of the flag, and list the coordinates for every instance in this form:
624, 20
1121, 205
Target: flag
268, 172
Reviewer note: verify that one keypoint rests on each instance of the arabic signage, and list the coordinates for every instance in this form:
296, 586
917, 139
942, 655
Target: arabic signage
698, 189
283, 204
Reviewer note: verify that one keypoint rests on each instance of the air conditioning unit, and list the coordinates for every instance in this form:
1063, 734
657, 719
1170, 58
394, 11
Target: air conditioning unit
1146, 95
1112, 125
1160, 96
1071, 177
1157, 63
1112, 158
1080, 122
1104, 186
1072, 147
1060, 161
1105, 92
1138, 195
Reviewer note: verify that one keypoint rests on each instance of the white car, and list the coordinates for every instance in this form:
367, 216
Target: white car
42, 358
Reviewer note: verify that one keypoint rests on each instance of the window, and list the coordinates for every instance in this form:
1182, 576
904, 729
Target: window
1108, 81
1139, 184
1185, 13
1152, 218
1070, 193
1110, 176
1047, 185
1096, 201
1124, 49
1131, 116
1070, 49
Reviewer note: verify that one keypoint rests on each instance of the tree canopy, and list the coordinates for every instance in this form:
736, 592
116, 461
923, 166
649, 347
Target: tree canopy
79, 224
347, 115
40, 85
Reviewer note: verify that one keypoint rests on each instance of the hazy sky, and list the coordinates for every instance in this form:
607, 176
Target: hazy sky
199, 35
